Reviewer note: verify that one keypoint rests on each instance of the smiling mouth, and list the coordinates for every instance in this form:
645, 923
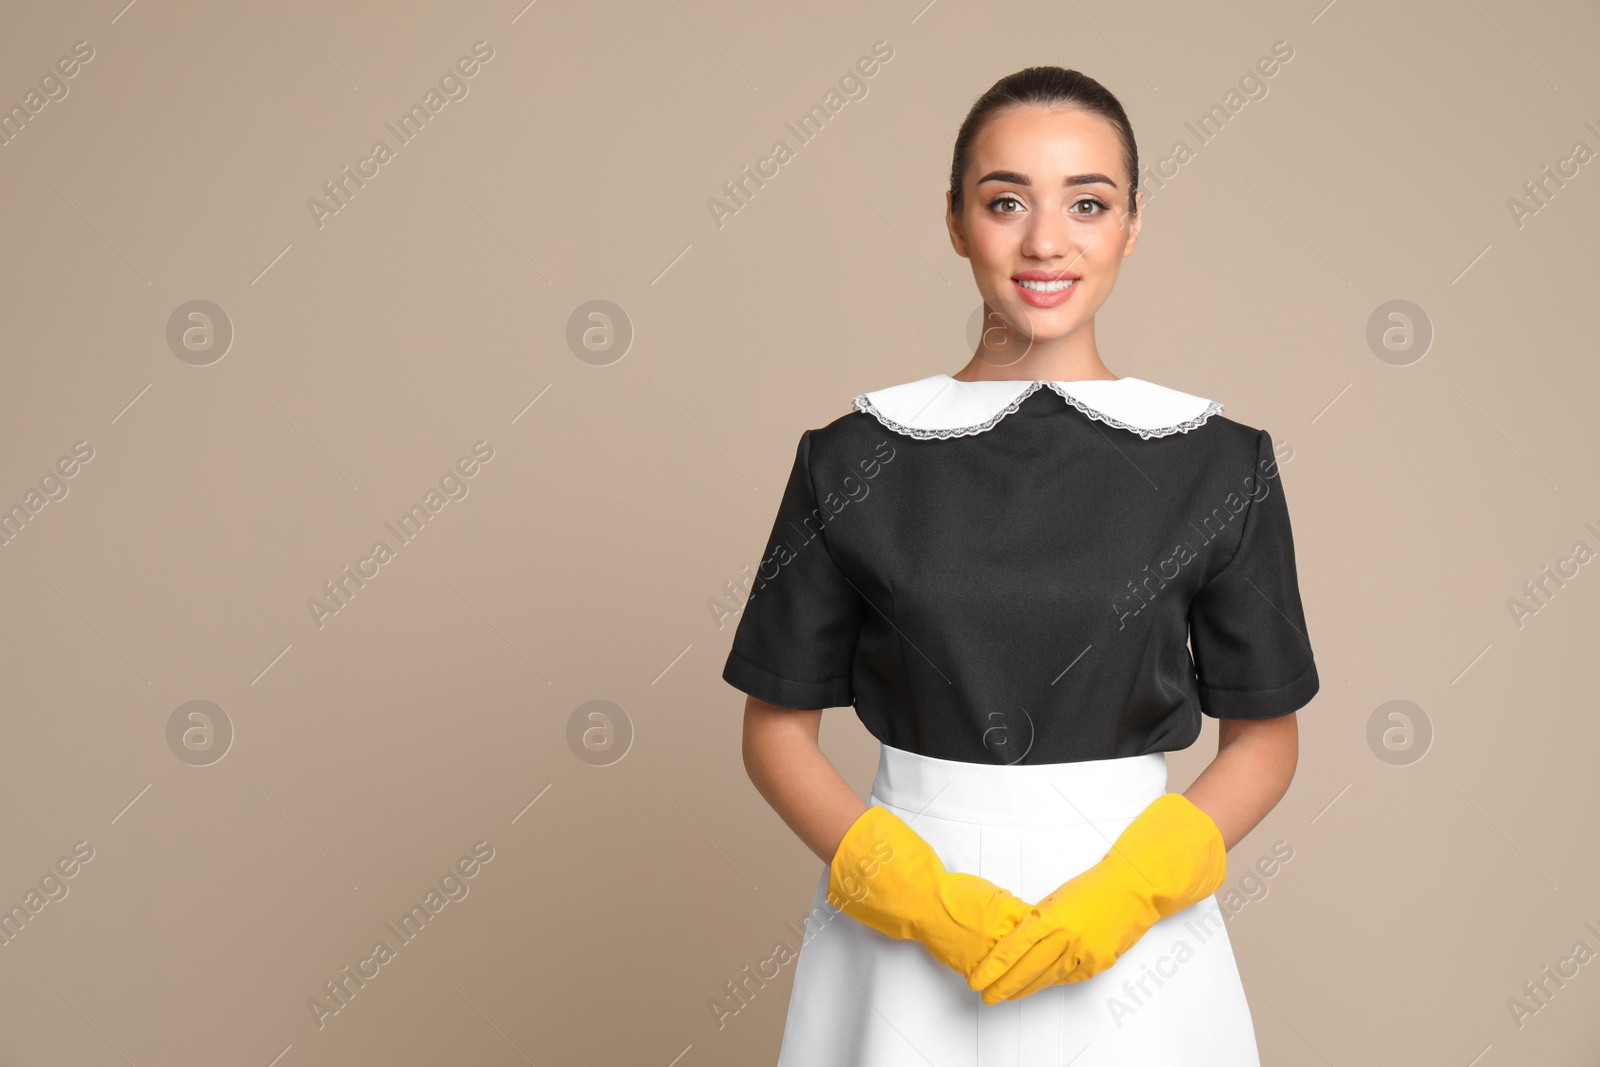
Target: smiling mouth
1045, 288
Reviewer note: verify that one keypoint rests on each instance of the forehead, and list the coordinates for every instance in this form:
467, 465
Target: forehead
1048, 143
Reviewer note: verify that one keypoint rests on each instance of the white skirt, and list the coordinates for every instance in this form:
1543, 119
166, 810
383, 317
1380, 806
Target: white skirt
864, 999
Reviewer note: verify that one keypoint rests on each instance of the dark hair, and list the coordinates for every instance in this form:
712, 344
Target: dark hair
1045, 87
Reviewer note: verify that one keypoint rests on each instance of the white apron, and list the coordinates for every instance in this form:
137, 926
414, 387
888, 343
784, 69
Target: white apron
864, 999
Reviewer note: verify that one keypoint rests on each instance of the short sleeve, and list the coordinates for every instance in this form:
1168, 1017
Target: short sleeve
1246, 624
796, 639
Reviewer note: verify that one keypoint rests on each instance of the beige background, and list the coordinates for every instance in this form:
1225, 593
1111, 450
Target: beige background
371, 352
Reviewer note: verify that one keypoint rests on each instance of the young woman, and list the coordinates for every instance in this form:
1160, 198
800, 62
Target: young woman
1005, 571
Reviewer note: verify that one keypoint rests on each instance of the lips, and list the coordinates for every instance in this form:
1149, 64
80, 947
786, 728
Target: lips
1045, 288
1045, 276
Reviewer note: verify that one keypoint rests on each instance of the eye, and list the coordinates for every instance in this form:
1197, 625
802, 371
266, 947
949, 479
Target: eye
1086, 201
1004, 198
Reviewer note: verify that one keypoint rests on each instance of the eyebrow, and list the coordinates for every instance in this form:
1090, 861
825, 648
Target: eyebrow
1014, 178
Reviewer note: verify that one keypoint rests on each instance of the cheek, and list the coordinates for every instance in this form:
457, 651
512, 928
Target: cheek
992, 246
1105, 256
992, 256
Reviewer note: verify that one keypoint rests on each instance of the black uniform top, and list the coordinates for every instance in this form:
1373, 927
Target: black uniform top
1016, 571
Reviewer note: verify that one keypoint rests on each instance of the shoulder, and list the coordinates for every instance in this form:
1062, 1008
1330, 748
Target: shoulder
850, 441
1233, 436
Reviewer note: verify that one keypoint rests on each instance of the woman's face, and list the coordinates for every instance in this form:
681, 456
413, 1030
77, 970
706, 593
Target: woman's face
1046, 200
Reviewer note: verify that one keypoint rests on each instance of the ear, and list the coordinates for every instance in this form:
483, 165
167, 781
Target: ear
953, 224
1135, 226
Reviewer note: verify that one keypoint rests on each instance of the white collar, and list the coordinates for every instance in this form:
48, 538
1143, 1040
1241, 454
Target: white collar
941, 406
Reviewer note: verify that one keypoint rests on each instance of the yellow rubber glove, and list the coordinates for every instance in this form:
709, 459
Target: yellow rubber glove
1172, 855
885, 875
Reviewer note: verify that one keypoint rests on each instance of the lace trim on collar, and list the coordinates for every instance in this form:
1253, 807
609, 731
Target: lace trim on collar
864, 404
1212, 408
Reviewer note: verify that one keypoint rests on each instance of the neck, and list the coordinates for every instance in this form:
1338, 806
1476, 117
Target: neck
1072, 358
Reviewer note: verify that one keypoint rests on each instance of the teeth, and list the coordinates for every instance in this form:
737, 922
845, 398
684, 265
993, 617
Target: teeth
1048, 287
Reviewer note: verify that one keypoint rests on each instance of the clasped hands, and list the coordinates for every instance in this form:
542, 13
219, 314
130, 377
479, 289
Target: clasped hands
884, 874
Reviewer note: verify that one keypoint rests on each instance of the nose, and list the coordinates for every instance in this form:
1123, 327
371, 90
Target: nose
1049, 237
